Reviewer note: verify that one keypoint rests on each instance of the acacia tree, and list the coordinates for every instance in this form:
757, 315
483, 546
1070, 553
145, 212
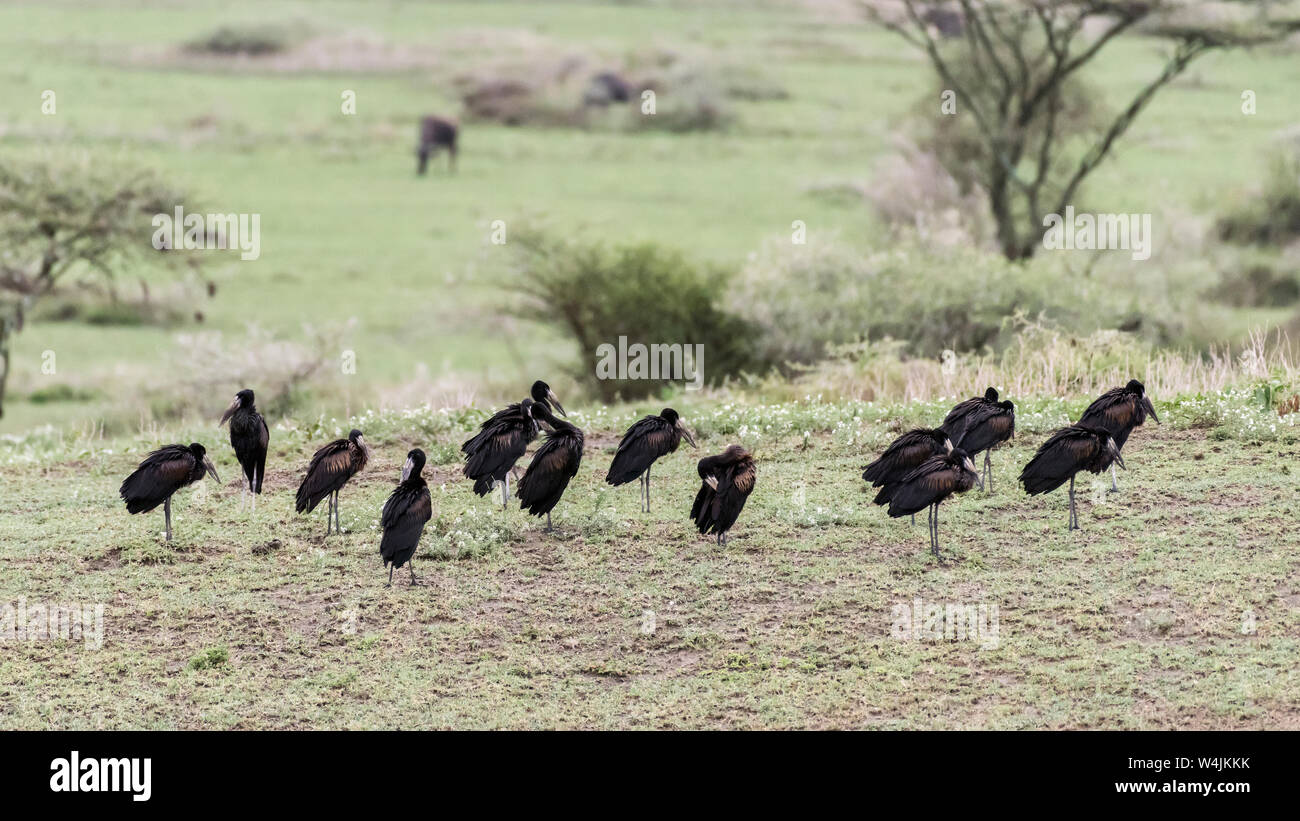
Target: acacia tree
1014, 67
62, 219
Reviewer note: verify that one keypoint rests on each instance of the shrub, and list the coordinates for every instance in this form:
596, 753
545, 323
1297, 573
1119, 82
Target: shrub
1273, 216
644, 293
252, 39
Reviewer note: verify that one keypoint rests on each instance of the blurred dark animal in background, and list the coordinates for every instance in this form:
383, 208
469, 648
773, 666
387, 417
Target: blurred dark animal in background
435, 133
606, 88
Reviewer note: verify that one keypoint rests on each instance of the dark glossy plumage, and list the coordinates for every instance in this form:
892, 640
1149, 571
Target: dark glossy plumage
933, 481
729, 478
249, 437
330, 469
162, 473
1066, 452
1119, 410
405, 513
503, 438
905, 454
978, 424
555, 463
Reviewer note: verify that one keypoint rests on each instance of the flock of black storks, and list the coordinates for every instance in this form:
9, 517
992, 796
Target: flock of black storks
919, 470
925, 466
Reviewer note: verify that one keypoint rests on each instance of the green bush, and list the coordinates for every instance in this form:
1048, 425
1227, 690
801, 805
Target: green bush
253, 40
1273, 216
644, 293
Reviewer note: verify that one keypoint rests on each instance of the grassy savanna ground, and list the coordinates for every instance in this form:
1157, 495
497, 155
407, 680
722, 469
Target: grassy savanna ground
258, 621
349, 232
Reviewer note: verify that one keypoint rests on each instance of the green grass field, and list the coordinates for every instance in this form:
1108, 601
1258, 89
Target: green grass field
1176, 606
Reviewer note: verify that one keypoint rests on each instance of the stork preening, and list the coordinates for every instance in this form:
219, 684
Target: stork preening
642, 445
728, 479
980, 424
904, 455
1118, 411
1068, 451
162, 473
330, 469
249, 437
554, 464
404, 516
929, 485
503, 438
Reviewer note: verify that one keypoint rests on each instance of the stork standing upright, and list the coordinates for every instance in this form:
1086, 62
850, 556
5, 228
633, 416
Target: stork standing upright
162, 473
1118, 411
404, 516
555, 463
249, 437
929, 485
980, 424
643, 444
330, 469
1065, 453
502, 439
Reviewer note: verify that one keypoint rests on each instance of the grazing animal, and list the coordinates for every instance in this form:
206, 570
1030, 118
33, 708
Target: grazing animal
1118, 411
502, 439
1065, 453
162, 473
554, 464
249, 437
330, 469
980, 424
435, 133
645, 442
605, 88
931, 483
728, 480
904, 455
404, 516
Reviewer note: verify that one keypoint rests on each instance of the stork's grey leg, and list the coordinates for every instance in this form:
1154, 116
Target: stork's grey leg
505, 491
1114, 486
988, 469
338, 527
647, 489
1074, 522
390, 576
167, 514
410, 566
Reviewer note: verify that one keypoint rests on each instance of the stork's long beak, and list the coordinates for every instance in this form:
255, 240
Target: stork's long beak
711, 481
554, 400
686, 433
969, 465
1114, 453
947, 443
1151, 409
207, 464
406, 469
230, 411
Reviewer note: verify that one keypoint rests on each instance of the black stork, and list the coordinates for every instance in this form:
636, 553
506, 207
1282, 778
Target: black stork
904, 455
249, 437
330, 469
404, 516
930, 484
1118, 411
980, 424
1068, 451
645, 442
554, 464
162, 473
728, 479
502, 439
